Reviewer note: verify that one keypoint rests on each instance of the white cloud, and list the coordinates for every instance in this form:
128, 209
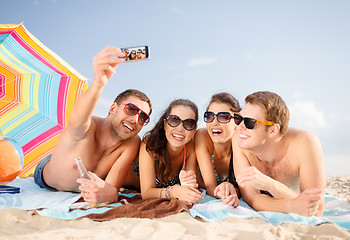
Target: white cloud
194, 62
306, 114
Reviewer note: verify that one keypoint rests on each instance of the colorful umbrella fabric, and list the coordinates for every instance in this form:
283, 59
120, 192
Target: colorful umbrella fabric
38, 90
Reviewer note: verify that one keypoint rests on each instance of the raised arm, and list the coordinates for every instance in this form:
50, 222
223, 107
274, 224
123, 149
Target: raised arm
105, 64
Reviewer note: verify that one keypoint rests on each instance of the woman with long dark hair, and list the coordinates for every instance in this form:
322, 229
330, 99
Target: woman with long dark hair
167, 155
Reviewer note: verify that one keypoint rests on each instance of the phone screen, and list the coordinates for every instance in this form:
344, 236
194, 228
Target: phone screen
136, 53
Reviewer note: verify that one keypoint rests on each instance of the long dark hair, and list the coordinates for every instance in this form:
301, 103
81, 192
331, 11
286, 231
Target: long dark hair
156, 142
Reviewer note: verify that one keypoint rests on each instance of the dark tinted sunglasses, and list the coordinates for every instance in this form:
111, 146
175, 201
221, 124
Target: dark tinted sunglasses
250, 122
174, 121
131, 110
222, 117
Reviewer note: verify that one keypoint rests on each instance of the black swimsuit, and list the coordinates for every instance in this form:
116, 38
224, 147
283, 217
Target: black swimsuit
172, 182
231, 174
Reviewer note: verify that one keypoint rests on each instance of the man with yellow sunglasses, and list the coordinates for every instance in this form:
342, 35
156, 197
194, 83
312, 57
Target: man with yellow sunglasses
278, 169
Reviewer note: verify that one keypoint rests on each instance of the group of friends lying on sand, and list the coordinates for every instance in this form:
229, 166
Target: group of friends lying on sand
246, 153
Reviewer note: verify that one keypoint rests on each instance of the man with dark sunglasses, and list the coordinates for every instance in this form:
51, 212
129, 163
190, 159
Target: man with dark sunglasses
107, 146
278, 169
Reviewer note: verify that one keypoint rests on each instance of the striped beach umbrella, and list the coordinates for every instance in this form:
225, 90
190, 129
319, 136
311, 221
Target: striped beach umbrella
38, 90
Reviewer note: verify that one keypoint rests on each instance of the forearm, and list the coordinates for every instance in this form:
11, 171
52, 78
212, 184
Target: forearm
85, 105
210, 190
262, 202
279, 190
153, 193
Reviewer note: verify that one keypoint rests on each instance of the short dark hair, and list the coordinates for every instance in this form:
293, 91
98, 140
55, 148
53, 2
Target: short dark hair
136, 93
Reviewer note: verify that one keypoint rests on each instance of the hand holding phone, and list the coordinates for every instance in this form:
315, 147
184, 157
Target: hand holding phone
136, 53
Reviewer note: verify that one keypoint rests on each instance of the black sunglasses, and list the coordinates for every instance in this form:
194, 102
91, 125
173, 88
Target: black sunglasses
174, 121
131, 110
222, 117
250, 122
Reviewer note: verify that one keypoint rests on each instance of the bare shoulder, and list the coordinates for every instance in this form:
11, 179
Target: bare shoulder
190, 146
201, 134
302, 138
305, 146
202, 138
132, 143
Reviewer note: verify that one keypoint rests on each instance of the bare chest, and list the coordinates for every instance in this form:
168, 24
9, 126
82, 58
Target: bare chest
285, 170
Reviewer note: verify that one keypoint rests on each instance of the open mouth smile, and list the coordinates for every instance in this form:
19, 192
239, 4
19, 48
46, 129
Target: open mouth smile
178, 137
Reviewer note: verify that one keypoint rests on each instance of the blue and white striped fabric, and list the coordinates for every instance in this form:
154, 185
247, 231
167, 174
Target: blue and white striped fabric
337, 210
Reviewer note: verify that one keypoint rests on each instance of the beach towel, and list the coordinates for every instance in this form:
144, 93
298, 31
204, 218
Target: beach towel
129, 205
337, 210
31, 197
66, 205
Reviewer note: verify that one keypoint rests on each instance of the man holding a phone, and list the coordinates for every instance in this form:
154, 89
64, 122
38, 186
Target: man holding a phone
107, 146
277, 168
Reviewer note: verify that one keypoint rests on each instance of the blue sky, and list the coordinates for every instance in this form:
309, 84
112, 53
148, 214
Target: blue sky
298, 49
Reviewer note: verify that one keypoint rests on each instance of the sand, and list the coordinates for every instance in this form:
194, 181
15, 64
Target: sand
20, 224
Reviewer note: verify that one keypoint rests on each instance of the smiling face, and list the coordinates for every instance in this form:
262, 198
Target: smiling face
124, 125
179, 136
256, 137
220, 132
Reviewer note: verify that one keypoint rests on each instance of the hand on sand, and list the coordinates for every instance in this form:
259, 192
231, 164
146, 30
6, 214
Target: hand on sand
97, 191
227, 193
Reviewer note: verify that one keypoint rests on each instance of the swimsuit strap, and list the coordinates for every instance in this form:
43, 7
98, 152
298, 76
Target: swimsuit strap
216, 174
184, 164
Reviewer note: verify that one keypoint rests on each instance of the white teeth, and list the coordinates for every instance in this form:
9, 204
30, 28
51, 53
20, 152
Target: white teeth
178, 136
216, 131
243, 135
128, 127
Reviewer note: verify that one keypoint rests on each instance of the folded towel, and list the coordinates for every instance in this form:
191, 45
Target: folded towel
148, 208
337, 210
130, 204
32, 197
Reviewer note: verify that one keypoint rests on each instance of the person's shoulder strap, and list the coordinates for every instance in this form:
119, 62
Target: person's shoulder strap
184, 164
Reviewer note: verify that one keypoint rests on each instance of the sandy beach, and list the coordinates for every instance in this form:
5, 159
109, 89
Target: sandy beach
20, 224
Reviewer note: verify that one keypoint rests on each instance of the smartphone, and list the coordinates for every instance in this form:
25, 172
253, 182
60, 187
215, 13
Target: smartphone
136, 53
82, 169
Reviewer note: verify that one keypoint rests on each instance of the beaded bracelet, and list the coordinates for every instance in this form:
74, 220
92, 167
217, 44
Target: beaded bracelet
170, 188
166, 192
